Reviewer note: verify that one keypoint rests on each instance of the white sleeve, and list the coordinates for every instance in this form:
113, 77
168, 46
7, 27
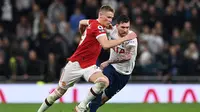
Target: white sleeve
132, 42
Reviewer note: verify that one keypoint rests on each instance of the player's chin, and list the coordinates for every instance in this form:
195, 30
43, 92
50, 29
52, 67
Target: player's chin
123, 35
107, 27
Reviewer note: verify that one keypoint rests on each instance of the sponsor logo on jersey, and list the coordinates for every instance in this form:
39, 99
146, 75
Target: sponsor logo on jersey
101, 29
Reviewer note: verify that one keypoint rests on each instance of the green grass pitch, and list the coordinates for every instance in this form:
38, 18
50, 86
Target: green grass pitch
106, 108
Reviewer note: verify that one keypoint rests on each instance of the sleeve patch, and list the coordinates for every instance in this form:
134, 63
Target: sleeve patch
100, 28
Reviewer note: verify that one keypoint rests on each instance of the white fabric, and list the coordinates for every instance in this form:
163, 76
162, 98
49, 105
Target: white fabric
72, 72
127, 67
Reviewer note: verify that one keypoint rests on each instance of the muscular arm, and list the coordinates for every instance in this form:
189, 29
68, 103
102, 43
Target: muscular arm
125, 57
82, 25
105, 43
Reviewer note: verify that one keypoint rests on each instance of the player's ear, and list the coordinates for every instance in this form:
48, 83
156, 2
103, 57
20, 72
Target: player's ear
100, 14
117, 25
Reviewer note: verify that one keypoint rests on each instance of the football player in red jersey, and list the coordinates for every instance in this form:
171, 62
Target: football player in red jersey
83, 61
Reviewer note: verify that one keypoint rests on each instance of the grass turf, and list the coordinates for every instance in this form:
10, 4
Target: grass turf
106, 108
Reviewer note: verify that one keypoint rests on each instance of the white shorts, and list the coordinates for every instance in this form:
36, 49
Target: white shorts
72, 72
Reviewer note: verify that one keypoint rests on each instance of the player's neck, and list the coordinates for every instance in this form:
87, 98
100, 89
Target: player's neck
100, 21
119, 35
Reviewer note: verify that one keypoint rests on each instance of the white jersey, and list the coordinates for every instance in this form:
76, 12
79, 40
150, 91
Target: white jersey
126, 67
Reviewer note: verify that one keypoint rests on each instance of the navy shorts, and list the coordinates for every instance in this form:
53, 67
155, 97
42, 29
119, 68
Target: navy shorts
117, 81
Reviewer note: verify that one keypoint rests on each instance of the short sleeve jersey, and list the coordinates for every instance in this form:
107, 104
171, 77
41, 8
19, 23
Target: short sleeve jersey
89, 48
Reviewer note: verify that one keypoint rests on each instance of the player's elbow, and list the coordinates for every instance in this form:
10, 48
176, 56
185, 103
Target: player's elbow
128, 57
83, 22
105, 46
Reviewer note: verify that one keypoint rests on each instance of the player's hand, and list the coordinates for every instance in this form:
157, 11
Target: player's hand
130, 36
109, 26
104, 64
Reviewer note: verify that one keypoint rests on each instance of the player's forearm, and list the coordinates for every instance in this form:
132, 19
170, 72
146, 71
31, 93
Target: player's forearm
111, 43
120, 59
82, 25
82, 28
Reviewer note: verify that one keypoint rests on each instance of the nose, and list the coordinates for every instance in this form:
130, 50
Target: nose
126, 29
110, 20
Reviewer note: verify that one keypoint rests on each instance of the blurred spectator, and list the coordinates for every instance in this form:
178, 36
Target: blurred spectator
145, 13
159, 28
60, 48
176, 37
152, 16
35, 12
146, 57
8, 14
43, 42
195, 20
24, 29
159, 4
24, 6
194, 3
112, 3
75, 18
67, 33
18, 60
3, 65
24, 47
5, 46
187, 33
191, 55
90, 9
76, 41
51, 68
174, 61
155, 43
192, 52
147, 63
3, 33
40, 23
55, 10
34, 66
169, 22
122, 10
144, 37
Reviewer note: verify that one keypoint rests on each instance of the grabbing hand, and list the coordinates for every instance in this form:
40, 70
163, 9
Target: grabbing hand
130, 36
109, 26
104, 64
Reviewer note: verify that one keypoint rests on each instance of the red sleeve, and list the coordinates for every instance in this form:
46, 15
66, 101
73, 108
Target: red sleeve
98, 31
90, 21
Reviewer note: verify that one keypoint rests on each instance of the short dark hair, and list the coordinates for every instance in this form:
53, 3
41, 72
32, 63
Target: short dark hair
123, 19
106, 8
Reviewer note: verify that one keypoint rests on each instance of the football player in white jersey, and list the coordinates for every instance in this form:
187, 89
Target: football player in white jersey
120, 65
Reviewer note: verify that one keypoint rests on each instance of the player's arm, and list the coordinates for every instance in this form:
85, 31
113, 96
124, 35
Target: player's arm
130, 51
125, 57
105, 43
82, 25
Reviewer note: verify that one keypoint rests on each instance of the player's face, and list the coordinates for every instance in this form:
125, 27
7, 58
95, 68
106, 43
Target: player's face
123, 28
107, 17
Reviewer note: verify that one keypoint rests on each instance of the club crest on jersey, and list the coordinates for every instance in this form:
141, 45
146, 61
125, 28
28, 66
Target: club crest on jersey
100, 28
130, 41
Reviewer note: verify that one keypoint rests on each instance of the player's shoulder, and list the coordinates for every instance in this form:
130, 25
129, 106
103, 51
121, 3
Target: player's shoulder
94, 23
131, 31
90, 21
96, 26
134, 40
112, 32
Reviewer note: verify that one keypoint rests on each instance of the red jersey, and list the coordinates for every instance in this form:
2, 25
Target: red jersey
89, 48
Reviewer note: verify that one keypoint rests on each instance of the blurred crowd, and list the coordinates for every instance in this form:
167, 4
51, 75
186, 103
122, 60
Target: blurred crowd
37, 36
